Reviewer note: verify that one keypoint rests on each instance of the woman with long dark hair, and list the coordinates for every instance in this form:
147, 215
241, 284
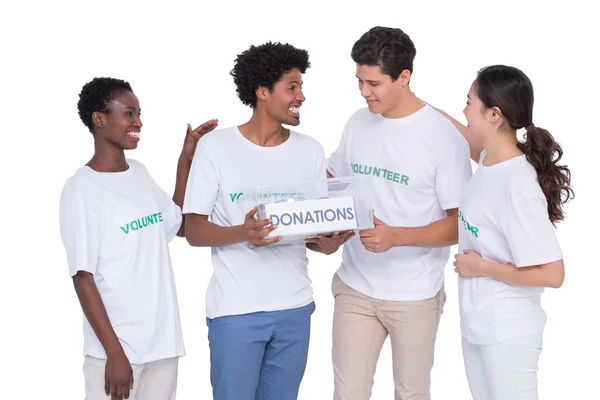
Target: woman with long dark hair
508, 250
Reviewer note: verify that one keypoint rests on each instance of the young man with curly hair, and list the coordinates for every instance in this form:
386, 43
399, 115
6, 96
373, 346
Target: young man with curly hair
391, 281
259, 301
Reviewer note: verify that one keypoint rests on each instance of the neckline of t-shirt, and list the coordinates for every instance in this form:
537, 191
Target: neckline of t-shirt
254, 146
409, 118
117, 173
501, 164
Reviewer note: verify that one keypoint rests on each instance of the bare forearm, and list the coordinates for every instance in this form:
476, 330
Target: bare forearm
458, 125
549, 275
200, 232
441, 233
95, 312
183, 172
475, 147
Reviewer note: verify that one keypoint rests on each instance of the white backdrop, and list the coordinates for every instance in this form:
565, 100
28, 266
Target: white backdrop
177, 58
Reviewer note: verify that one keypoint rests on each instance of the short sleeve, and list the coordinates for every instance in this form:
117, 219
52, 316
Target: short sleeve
452, 175
202, 186
338, 164
79, 230
171, 212
529, 232
321, 165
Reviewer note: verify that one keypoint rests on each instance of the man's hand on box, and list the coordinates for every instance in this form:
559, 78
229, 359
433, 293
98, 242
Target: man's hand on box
329, 244
255, 231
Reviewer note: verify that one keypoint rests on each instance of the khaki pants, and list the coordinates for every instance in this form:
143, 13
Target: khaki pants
156, 380
360, 326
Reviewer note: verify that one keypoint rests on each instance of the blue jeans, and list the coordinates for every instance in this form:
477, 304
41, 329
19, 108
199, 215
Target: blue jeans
259, 356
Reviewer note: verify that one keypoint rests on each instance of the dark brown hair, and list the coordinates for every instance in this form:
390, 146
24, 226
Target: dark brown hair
390, 48
510, 90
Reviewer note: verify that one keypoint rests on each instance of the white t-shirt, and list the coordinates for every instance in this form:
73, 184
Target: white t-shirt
225, 172
504, 218
419, 166
117, 226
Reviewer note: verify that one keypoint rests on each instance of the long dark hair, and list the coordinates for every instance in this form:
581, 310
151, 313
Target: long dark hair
510, 90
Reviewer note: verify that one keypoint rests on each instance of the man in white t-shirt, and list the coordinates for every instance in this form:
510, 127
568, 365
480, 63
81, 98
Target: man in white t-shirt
259, 300
391, 281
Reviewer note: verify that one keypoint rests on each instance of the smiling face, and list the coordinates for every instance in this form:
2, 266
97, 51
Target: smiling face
284, 101
480, 121
120, 125
379, 90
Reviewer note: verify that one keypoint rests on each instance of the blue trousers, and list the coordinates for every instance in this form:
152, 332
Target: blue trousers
259, 356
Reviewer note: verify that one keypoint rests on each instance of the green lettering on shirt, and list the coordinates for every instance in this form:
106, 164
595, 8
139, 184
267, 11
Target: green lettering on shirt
274, 196
473, 229
235, 196
142, 223
378, 172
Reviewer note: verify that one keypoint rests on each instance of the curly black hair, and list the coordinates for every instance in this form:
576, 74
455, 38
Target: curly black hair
390, 48
96, 95
264, 66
